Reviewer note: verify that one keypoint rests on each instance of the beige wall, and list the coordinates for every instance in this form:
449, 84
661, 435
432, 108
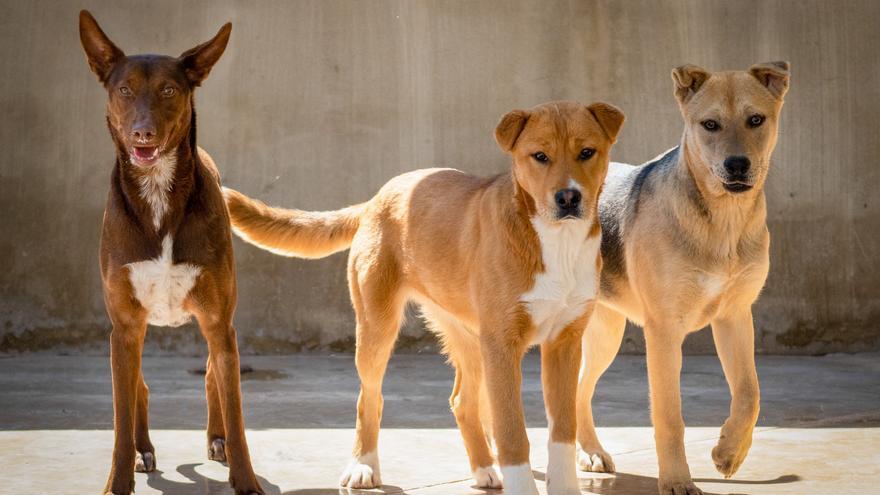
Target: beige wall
316, 103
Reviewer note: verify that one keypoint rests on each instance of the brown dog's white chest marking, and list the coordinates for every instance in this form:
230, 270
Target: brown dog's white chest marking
161, 286
569, 280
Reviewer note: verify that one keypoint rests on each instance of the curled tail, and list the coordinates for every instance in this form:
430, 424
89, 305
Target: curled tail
304, 234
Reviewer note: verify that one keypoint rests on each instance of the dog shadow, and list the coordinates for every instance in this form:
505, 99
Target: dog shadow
198, 484
634, 484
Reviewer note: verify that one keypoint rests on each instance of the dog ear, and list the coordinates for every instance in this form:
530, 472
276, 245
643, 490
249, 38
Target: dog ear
610, 118
688, 79
773, 75
198, 61
509, 128
101, 53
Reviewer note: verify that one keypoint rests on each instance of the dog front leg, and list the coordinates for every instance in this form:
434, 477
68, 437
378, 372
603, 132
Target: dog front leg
734, 337
502, 361
560, 360
126, 344
663, 342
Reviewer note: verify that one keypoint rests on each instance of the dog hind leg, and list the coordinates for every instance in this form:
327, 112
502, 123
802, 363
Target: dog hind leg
379, 305
145, 457
601, 342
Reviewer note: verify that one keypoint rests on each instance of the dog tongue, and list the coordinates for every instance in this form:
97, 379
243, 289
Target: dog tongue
145, 153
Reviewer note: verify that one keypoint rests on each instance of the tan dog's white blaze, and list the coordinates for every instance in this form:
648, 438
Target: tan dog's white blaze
685, 244
498, 264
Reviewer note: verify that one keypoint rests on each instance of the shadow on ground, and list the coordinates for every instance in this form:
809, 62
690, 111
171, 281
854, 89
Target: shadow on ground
199, 484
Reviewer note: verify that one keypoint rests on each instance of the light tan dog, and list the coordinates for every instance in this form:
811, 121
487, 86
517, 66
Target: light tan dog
685, 244
497, 264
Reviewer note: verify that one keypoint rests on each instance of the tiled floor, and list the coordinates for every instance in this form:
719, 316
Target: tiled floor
818, 431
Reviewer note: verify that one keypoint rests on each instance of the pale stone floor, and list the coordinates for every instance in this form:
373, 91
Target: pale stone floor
819, 431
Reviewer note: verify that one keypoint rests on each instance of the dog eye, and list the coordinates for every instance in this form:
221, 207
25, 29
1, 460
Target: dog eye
756, 120
587, 153
168, 92
710, 125
124, 91
541, 157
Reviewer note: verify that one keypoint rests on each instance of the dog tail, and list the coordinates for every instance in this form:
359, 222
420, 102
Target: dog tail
304, 234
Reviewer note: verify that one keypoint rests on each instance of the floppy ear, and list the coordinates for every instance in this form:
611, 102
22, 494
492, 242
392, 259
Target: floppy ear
609, 117
509, 129
773, 75
198, 61
688, 79
101, 53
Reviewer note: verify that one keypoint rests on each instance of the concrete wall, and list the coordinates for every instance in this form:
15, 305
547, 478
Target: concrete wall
317, 103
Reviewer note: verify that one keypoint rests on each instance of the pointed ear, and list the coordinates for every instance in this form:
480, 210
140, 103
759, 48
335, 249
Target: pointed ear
509, 128
198, 61
688, 79
101, 53
609, 117
773, 75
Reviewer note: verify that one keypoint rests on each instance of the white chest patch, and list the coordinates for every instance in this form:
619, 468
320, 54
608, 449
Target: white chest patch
569, 280
155, 184
712, 284
161, 286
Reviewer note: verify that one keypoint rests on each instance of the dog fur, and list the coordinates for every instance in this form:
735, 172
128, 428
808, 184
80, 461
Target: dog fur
497, 264
166, 247
685, 244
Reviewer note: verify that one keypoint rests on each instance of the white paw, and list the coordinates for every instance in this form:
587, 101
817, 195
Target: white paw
561, 471
595, 461
487, 477
518, 480
144, 462
363, 472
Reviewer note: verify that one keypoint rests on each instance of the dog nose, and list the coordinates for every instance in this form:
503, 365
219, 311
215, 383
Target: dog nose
144, 132
737, 165
568, 198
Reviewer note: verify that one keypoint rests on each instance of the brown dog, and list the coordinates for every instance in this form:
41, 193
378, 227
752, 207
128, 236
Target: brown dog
685, 244
166, 251
498, 264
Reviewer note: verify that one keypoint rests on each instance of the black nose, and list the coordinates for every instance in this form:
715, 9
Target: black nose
143, 132
568, 198
737, 165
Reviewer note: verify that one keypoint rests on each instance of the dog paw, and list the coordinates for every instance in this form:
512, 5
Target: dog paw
518, 480
595, 461
487, 477
730, 453
217, 450
144, 462
363, 472
678, 488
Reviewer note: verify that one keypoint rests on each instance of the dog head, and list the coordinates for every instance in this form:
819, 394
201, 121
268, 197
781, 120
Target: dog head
560, 155
731, 120
150, 96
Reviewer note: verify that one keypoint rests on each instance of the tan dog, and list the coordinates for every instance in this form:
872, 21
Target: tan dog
685, 244
498, 264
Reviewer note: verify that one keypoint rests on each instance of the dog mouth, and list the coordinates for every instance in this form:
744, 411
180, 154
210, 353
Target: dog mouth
737, 187
145, 155
568, 214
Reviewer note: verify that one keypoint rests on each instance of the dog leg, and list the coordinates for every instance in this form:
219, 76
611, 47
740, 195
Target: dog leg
502, 362
145, 455
663, 344
216, 431
601, 342
559, 376
463, 352
126, 343
378, 316
223, 352
735, 340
